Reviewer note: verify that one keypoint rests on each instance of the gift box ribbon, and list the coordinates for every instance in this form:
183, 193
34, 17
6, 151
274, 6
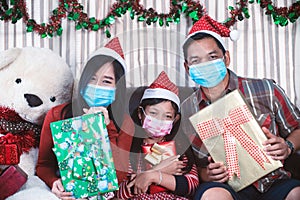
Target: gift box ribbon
85, 159
229, 128
159, 151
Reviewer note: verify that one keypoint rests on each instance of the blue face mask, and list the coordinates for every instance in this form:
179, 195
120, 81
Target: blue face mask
208, 74
96, 96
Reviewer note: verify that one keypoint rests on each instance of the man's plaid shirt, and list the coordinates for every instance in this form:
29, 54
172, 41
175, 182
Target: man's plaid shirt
270, 106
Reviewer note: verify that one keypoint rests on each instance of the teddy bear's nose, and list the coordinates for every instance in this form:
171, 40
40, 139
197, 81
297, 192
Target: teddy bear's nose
33, 100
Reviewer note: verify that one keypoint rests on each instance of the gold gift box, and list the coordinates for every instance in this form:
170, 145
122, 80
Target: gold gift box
232, 135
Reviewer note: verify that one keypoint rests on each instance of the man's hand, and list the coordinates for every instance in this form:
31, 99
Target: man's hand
275, 146
216, 172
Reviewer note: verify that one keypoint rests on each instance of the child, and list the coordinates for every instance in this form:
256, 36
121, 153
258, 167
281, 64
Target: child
158, 119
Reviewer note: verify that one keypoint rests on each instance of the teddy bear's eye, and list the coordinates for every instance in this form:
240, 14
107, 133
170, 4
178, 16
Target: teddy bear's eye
18, 80
52, 99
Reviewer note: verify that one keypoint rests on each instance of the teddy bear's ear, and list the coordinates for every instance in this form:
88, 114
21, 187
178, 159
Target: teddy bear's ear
9, 56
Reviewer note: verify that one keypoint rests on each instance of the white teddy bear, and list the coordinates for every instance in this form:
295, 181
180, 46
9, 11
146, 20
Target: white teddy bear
32, 80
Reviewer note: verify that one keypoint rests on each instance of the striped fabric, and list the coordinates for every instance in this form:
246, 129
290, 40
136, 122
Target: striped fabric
263, 50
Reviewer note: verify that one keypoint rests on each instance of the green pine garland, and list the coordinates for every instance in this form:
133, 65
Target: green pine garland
16, 10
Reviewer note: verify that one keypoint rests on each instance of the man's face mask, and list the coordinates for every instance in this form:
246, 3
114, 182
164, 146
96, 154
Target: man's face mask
208, 74
96, 96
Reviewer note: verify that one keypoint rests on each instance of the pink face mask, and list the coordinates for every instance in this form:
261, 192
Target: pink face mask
157, 128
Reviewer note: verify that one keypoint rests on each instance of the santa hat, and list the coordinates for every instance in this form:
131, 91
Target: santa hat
113, 49
209, 26
162, 88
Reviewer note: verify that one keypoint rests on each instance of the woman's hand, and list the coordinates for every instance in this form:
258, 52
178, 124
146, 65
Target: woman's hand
216, 172
59, 191
171, 166
96, 110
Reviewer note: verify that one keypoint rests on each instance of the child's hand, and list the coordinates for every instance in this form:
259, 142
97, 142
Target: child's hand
170, 165
141, 182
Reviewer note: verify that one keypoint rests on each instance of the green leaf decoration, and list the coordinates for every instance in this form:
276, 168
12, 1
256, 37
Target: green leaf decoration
95, 27
270, 7
59, 31
184, 7
107, 33
240, 17
29, 28
141, 18
92, 20
110, 20
132, 15
78, 26
193, 14
44, 35
161, 22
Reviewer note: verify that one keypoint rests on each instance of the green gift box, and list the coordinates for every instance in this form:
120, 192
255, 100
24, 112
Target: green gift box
84, 156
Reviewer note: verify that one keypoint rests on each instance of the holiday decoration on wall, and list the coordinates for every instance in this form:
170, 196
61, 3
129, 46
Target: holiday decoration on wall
15, 10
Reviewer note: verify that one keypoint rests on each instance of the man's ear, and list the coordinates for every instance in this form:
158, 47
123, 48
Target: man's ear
227, 58
186, 67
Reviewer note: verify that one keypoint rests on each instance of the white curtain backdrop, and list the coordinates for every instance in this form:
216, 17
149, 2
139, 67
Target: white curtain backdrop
263, 50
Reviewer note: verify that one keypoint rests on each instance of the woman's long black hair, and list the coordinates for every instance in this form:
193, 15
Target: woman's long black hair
181, 141
116, 109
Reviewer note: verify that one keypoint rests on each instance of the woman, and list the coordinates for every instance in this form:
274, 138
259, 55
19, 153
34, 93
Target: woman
157, 119
101, 86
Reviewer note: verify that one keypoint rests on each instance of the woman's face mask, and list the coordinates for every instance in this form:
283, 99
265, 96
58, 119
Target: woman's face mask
96, 96
208, 74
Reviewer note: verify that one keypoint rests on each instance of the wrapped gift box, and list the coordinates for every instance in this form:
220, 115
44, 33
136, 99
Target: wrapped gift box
157, 152
10, 149
232, 135
9, 154
154, 154
82, 148
11, 180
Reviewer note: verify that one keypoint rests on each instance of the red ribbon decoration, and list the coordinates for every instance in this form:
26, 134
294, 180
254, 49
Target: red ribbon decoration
229, 128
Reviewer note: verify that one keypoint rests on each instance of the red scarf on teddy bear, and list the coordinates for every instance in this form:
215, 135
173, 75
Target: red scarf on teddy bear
23, 134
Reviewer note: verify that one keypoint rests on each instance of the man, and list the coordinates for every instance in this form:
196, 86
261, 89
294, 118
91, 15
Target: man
206, 61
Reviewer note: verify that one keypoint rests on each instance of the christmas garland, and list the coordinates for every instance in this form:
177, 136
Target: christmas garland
73, 10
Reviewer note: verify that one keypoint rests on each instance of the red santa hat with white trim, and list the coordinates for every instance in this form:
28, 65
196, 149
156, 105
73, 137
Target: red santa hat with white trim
210, 26
162, 88
113, 49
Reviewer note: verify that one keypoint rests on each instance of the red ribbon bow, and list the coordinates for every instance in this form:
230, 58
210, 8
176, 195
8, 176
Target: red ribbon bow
229, 128
9, 139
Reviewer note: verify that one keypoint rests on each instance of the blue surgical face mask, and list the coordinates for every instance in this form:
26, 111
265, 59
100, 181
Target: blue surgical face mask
96, 96
208, 74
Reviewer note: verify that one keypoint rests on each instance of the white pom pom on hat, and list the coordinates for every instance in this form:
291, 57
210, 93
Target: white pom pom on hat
234, 35
210, 26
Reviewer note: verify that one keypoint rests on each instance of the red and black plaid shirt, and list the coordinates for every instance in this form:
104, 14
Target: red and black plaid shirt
270, 106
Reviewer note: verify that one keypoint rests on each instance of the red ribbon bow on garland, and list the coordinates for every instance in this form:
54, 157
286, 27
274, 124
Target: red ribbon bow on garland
229, 128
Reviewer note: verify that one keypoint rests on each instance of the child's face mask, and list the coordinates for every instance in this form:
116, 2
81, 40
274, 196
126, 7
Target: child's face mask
157, 128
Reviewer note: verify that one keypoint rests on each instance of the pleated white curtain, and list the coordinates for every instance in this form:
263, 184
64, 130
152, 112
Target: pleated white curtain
263, 50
